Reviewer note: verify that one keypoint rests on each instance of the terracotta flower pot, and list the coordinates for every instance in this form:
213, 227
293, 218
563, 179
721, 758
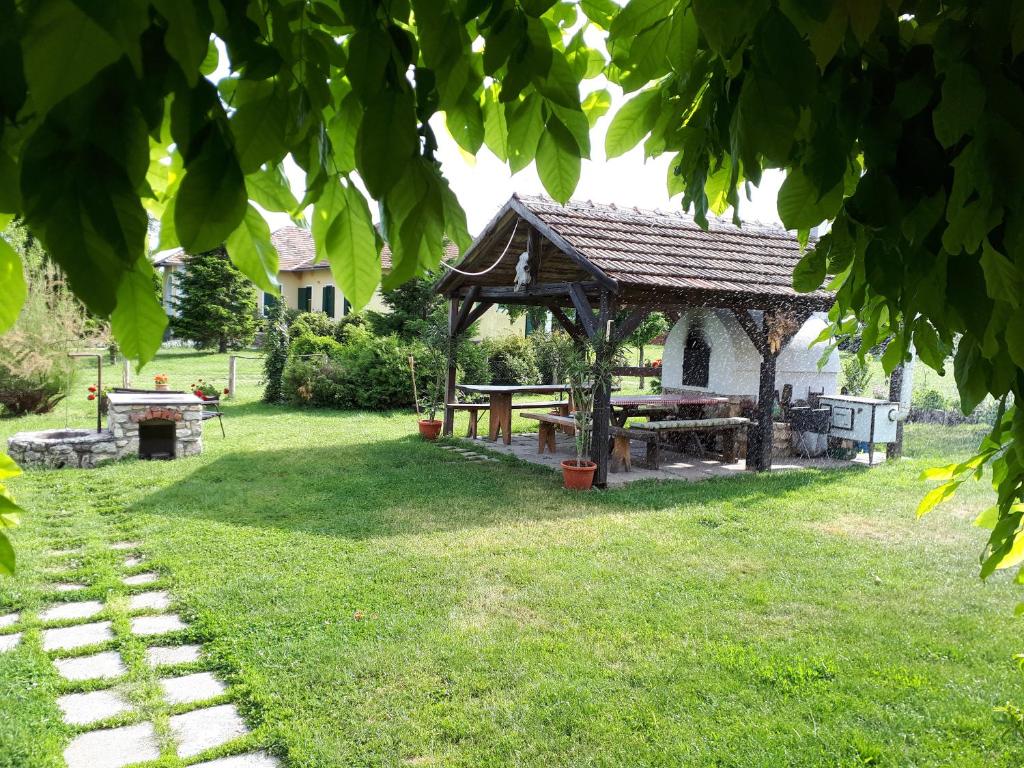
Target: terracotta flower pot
429, 429
578, 476
161, 387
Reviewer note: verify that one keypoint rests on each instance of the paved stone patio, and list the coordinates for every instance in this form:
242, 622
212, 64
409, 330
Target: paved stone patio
672, 466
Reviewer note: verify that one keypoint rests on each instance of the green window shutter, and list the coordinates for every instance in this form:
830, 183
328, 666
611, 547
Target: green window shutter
269, 302
305, 301
346, 307
328, 301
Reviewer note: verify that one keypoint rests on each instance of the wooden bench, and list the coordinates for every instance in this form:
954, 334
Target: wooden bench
475, 410
620, 458
727, 425
648, 433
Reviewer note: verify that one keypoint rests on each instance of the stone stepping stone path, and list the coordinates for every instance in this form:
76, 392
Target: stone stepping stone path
149, 601
157, 656
469, 454
192, 688
99, 665
113, 747
203, 729
121, 546
140, 578
252, 760
78, 636
191, 733
86, 708
65, 611
67, 587
144, 626
9, 642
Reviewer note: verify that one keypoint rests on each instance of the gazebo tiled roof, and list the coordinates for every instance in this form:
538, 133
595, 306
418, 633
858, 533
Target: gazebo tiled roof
635, 252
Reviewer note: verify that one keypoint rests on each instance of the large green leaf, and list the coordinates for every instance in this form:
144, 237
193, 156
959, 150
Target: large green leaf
8, 468
268, 187
1003, 279
963, 99
211, 200
259, 129
525, 126
802, 205
342, 130
188, 35
8, 559
252, 251
351, 247
63, 49
387, 140
558, 161
138, 321
465, 122
726, 22
14, 290
631, 123
596, 105
495, 125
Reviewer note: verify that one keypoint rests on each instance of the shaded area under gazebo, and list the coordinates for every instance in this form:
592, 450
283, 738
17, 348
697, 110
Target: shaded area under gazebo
600, 270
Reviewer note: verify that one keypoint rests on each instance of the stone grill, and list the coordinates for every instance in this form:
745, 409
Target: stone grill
129, 415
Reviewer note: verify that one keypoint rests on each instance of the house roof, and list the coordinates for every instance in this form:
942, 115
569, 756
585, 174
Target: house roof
636, 253
296, 252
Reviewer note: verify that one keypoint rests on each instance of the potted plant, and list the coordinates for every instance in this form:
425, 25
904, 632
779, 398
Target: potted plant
578, 473
160, 380
206, 391
434, 353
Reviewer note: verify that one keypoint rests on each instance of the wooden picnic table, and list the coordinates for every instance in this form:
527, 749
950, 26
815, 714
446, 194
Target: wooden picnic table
625, 406
500, 409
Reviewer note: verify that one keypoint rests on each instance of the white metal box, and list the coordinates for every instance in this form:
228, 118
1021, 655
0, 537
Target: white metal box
862, 419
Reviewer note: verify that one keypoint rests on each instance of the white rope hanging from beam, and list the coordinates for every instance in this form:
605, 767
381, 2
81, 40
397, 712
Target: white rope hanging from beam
496, 261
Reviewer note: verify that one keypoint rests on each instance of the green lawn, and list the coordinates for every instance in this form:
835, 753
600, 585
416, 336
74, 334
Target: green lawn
376, 601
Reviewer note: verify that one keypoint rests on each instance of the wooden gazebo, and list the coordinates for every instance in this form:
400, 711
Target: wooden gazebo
602, 261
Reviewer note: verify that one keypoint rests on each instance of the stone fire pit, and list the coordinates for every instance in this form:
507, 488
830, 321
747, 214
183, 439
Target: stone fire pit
58, 448
143, 424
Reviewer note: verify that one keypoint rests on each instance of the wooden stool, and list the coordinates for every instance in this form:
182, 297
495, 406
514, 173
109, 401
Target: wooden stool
620, 459
546, 437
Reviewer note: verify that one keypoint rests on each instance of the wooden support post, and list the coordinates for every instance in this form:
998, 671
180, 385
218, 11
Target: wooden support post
126, 373
761, 436
895, 450
232, 375
601, 338
449, 387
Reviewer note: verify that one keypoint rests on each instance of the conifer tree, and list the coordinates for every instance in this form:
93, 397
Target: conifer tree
217, 305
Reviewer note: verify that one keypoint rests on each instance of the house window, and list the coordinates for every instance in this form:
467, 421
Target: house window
696, 359
327, 303
305, 302
269, 302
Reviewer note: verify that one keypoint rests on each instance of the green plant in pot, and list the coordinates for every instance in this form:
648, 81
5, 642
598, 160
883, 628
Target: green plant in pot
580, 370
433, 359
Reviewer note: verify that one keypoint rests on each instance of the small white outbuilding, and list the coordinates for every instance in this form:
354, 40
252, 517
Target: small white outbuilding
707, 349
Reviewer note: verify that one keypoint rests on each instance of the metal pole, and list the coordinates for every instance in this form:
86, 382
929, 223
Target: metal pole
232, 374
126, 373
99, 384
